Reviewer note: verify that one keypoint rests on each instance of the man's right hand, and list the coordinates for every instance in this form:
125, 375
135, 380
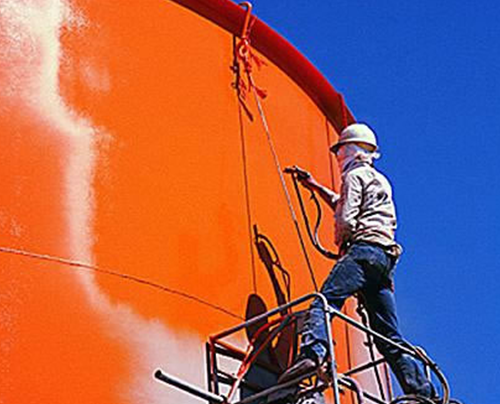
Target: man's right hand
303, 176
307, 180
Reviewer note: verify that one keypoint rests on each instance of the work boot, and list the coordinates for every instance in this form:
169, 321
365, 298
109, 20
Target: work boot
301, 367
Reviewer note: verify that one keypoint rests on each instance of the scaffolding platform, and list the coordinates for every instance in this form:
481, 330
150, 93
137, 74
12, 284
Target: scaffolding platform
255, 370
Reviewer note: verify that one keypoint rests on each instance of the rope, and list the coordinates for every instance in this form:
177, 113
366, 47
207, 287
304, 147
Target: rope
282, 179
237, 85
246, 56
247, 197
131, 278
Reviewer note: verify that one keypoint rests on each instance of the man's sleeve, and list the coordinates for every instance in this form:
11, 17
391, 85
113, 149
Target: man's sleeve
348, 208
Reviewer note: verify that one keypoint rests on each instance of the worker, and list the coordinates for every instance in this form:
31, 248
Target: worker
365, 224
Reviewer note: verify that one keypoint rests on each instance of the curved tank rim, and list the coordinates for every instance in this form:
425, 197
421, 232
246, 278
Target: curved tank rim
231, 17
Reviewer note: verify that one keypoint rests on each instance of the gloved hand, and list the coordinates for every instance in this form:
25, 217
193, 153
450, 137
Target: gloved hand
303, 176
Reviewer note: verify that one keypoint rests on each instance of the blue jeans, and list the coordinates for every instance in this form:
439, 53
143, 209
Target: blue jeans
366, 268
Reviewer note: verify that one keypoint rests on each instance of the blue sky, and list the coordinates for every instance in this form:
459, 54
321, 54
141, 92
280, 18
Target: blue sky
426, 76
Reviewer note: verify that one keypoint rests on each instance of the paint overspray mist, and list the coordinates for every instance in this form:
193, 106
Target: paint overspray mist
29, 67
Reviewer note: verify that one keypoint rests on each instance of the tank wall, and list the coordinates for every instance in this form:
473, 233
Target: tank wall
127, 151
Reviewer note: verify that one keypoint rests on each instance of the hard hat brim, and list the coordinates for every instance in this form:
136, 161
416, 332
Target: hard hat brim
335, 147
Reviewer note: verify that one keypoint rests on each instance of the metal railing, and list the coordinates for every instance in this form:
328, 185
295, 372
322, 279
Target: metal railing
321, 379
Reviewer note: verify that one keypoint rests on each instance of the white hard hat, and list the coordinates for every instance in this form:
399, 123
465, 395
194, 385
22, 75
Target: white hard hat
356, 132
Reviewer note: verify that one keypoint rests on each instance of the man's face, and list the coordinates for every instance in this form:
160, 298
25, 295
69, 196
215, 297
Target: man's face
348, 149
343, 151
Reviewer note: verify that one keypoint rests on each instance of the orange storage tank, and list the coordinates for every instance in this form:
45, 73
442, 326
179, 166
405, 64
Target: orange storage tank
128, 157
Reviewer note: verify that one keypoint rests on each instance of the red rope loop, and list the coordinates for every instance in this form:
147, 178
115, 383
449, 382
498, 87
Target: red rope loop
247, 57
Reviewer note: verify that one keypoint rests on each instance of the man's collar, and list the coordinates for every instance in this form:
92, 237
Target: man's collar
354, 164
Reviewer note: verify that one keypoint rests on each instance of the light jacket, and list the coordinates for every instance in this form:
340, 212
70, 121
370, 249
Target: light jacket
365, 210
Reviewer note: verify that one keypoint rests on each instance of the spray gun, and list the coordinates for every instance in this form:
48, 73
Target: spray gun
300, 173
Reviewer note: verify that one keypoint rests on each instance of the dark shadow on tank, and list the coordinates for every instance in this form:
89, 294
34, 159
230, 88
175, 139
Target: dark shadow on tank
276, 356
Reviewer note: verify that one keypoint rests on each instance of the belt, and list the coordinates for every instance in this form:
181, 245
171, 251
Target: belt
393, 251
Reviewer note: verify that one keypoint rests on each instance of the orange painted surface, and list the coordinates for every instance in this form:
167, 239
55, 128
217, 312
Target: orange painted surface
51, 340
125, 150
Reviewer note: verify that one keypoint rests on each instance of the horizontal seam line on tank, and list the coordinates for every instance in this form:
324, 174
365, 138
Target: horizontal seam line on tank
88, 267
